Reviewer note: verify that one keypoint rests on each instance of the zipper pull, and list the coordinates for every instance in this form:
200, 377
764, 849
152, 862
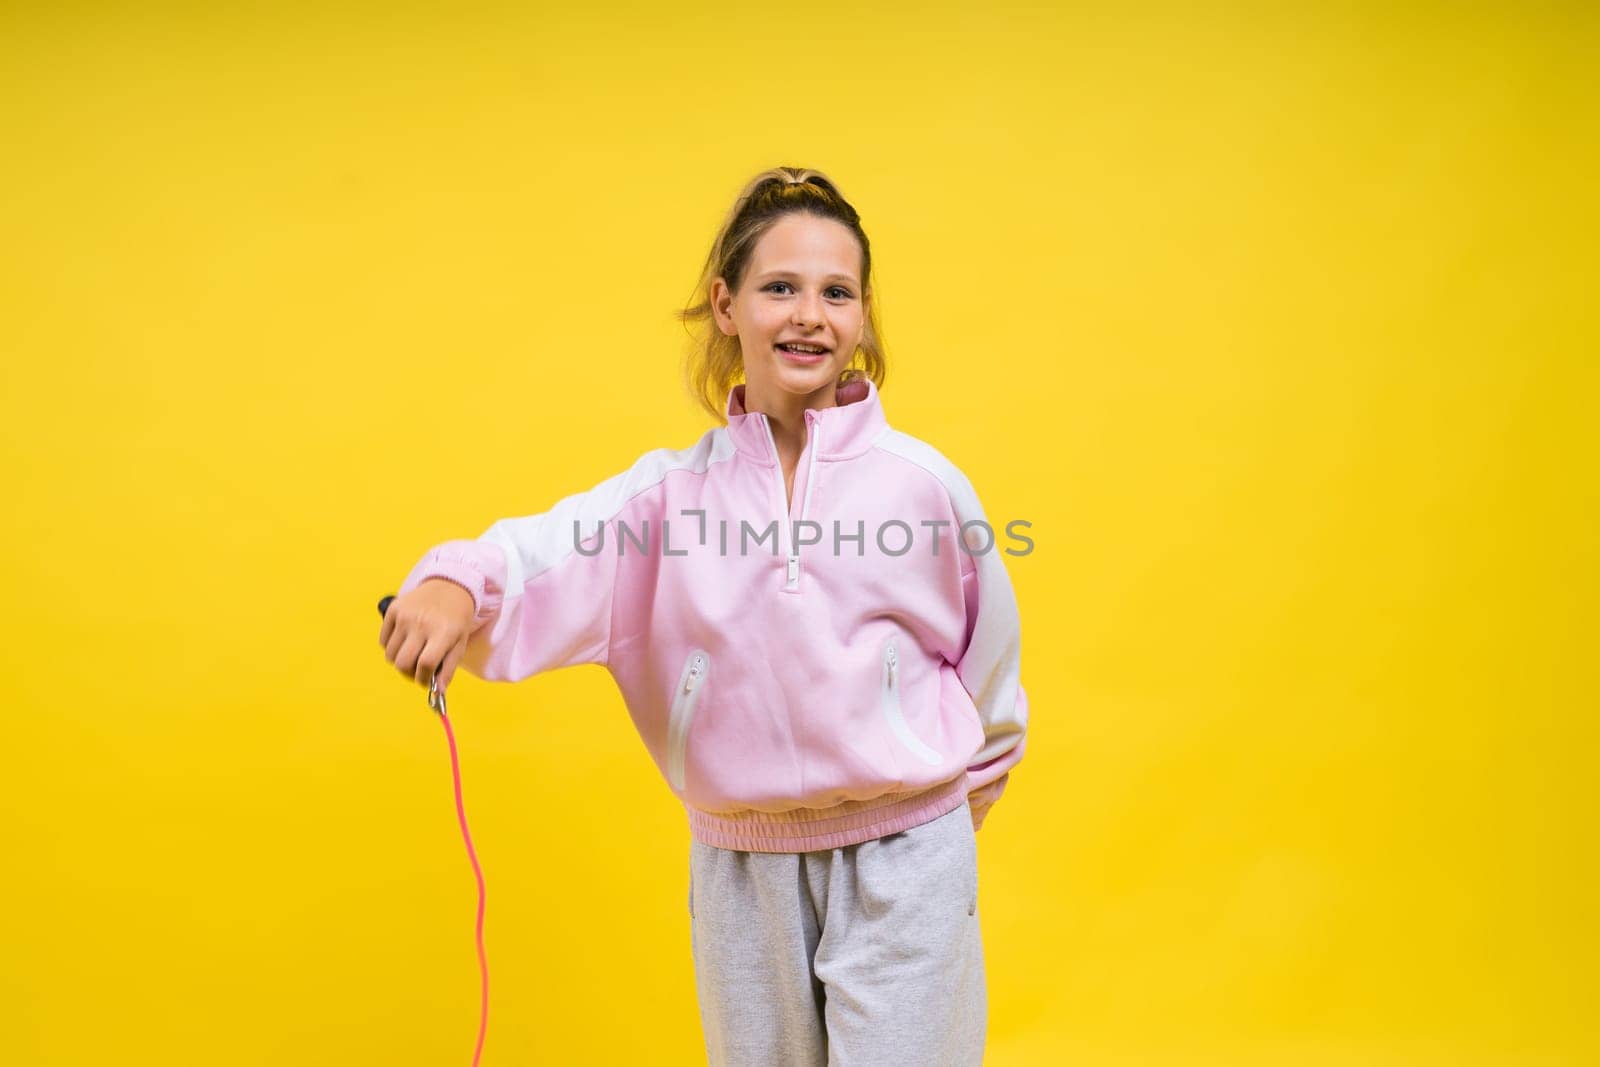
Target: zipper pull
696, 669
890, 658
794, 567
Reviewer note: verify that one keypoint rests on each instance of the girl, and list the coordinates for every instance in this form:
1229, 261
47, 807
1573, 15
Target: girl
836, 707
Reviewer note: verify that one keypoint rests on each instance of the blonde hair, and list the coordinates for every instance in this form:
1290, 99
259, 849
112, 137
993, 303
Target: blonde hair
715, 364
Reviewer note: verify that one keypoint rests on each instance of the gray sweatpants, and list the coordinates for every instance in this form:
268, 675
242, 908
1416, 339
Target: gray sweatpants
860, 956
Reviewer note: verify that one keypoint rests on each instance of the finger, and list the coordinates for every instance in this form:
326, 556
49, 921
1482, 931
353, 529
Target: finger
428, 660
386, 627
447, 670
406, 657
398, 637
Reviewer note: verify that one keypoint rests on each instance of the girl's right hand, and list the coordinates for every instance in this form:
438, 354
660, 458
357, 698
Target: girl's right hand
427, 628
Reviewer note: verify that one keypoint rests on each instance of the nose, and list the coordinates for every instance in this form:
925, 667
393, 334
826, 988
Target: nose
808, 311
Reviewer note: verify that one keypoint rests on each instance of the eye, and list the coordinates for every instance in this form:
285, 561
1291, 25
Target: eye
844, 294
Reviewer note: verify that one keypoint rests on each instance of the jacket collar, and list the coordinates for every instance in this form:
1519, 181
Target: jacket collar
845, 430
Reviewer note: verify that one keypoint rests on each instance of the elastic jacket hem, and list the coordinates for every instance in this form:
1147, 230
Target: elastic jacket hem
810, 829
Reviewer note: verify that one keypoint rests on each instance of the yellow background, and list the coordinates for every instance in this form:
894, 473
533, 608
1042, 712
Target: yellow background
1278, 325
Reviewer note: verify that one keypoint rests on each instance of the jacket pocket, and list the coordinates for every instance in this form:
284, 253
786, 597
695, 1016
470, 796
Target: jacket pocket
691, 683
889, 701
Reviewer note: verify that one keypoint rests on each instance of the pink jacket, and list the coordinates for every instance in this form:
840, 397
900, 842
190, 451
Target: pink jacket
802, 684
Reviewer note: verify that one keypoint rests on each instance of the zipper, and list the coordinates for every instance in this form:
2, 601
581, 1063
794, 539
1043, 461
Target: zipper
792, 568
815, 444
890, 704
690, 685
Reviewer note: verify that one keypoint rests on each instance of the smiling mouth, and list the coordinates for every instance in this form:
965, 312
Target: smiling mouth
802, 352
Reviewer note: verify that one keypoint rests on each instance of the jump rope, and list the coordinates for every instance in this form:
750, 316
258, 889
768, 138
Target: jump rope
436, 702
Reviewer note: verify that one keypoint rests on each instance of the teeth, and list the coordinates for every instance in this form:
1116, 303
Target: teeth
804, 348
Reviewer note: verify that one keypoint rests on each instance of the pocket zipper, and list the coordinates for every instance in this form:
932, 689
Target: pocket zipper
690, 685
890, 703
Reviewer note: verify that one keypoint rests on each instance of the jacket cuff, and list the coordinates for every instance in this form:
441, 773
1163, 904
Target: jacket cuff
987, 781
459, 566
980, 805
984, 775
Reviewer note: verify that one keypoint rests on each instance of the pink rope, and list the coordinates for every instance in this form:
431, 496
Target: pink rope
461, 813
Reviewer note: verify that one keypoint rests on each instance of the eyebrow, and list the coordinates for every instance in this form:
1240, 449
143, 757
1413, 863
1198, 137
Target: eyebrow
794, 274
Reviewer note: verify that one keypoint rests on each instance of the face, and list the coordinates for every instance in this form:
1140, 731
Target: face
803, 284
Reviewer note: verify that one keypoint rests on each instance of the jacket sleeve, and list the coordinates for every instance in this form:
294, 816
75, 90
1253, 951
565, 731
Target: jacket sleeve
543, 596
989, 664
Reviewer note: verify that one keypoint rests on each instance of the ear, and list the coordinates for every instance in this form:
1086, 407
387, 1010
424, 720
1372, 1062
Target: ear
721, 304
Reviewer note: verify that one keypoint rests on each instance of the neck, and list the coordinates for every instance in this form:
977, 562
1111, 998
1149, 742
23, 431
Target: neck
787, 411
